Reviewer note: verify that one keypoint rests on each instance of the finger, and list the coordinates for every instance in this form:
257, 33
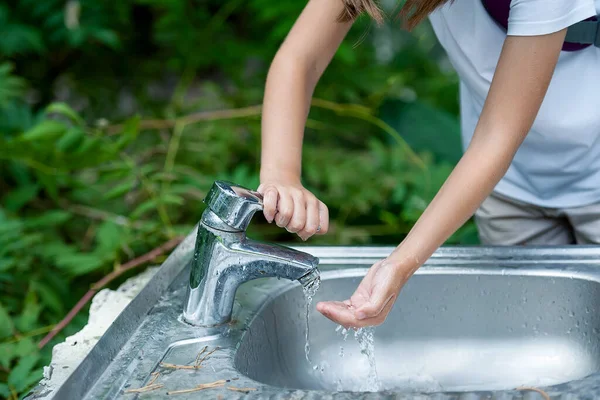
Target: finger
270, 197
312, 219
323, 219
285, 209
374, 306
299, 217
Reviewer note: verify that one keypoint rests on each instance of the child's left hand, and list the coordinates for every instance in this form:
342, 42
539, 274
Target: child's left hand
372, 300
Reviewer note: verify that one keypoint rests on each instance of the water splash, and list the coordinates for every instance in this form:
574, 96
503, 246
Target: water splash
344, 332
310, 290
365, 338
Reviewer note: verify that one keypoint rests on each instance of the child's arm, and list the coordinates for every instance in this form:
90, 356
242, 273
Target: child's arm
519, 85
293, 75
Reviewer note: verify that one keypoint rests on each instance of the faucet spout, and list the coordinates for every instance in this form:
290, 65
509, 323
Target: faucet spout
224, 259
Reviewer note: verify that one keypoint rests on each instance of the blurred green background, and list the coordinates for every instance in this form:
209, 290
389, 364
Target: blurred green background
117, 116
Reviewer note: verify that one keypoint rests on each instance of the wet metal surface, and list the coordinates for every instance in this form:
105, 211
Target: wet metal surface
474, 323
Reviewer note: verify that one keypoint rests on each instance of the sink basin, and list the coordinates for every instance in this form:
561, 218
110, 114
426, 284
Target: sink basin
449, 331
473, 323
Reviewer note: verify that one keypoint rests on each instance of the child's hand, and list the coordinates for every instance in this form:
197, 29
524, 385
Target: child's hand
294, 208
372, 300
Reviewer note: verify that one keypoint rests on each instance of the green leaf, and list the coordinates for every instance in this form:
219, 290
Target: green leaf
4, 390
79, 264
49, 183
11, 86
49, 297
7, 263
143, 208
7, 353
129, 133
119, 190
11, 226
54, 249
70, 140
34, 377
6, 325
20, 196
109, 237
89, 145
400, 191
66, 110
49, 219
107, 37
24, 347
46, 130
30, 314
151, 204
24, 242
169, 198
20, 375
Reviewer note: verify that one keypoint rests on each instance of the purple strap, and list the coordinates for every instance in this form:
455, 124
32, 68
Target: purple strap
499, 10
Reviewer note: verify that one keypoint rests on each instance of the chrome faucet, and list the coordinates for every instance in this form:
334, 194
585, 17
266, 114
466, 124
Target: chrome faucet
224, 258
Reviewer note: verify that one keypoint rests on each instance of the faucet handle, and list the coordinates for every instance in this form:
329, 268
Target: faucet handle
235, 205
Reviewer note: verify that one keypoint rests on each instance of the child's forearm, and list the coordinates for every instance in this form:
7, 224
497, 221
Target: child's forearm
520, 83
294, 73
471, 181
286, 104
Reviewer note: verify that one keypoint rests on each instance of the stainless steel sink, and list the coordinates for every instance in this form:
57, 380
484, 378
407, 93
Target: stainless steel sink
474, 323
451, 330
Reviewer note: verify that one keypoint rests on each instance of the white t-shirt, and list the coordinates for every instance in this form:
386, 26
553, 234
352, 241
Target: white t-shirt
558, 164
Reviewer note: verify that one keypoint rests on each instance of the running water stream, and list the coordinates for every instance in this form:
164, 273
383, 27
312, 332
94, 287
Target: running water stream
309, 292
365, 338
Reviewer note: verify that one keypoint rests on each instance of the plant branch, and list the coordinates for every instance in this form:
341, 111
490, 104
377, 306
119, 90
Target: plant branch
244, 112
351, 110
98, 214
136, 262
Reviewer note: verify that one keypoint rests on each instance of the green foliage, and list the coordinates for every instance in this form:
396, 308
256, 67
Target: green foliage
79, 194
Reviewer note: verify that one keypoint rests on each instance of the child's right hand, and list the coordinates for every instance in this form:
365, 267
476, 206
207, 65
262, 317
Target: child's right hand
294, 208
